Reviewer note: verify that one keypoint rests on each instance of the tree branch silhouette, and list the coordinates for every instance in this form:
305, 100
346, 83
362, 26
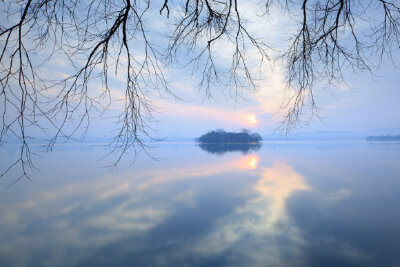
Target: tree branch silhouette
103, 39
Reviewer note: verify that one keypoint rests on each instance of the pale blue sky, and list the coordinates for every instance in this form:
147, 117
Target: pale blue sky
365, 103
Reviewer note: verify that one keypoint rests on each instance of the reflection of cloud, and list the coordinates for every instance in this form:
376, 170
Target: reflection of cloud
187, 198
197, 171
277, 185
263, 217
90, 214
341, 194
126, 218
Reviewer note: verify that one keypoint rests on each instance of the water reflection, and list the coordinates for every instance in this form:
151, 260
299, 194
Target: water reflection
260, 222
266, 209
88, 215
220, 149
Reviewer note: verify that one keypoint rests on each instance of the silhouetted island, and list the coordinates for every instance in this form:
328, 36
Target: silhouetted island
384, 138
220, 136
219, 142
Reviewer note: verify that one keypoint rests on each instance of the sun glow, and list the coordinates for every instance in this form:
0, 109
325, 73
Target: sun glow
252, 119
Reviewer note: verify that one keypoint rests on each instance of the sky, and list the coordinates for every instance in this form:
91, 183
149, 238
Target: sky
365, 102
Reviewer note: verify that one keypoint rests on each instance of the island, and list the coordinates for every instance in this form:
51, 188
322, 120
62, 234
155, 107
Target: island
220, 136
384, 138
220, 142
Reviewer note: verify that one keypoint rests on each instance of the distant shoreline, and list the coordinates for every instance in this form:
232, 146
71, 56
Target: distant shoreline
384, 138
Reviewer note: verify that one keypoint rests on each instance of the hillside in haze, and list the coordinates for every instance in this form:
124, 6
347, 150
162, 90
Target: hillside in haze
384, 138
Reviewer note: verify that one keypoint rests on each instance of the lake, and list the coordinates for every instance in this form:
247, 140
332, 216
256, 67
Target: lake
279, 204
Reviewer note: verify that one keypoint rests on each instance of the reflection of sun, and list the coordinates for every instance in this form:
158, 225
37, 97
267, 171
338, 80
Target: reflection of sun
249, 162
253, 162
252, 119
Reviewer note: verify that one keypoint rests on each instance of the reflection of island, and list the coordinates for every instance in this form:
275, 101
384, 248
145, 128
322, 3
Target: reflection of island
222, 148
220, 142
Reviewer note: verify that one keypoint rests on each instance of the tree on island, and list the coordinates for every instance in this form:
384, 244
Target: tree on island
221, 136
102, 39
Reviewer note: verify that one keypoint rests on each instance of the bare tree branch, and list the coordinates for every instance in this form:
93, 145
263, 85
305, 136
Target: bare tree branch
101, 40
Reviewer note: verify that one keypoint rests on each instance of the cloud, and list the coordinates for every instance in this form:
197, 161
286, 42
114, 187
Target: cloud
239, 117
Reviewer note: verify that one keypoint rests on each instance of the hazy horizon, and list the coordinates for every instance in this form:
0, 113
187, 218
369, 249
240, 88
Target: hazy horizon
112, 153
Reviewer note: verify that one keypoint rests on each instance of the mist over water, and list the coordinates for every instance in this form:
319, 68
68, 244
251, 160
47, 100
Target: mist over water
279, 204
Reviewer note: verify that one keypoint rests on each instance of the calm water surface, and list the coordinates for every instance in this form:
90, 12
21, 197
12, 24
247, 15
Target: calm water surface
282, 204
